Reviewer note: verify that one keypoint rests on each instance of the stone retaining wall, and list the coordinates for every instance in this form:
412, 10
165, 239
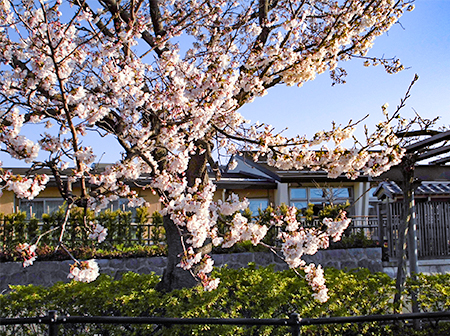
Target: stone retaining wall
47, 273
433, 266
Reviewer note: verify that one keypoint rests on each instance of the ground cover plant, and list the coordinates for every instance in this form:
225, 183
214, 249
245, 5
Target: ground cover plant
249, 292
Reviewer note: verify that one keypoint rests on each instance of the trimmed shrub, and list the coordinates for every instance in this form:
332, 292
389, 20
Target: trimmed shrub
251, 293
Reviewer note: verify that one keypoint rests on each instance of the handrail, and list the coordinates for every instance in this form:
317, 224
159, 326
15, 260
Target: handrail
294, 320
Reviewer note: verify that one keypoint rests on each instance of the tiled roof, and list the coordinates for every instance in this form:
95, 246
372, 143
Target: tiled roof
391, 189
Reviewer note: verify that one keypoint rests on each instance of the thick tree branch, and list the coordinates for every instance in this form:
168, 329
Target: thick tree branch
156, 18
113, 7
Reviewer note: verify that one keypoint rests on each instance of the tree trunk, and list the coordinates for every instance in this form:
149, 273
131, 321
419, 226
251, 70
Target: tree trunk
401, 254
175, 277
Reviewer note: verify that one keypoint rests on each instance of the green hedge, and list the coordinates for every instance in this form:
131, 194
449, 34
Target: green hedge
250, 292
123, 240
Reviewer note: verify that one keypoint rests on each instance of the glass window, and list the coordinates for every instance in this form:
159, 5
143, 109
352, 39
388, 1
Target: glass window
52, 205
301, 197
38, 207
121, 204
330, 194
257, 203
297, 193
300, 205
317, 193
342, 192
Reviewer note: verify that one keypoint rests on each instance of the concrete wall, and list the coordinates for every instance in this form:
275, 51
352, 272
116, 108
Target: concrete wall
47, 273
434, 266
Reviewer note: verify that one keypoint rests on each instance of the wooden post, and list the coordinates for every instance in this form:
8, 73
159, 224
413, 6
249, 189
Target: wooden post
413, 255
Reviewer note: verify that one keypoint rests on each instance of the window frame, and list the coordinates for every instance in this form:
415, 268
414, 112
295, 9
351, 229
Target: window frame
320, 200
42, 200
266, 199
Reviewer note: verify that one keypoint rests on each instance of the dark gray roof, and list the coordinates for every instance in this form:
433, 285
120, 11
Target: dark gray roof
294, 175
228, 180
391, 189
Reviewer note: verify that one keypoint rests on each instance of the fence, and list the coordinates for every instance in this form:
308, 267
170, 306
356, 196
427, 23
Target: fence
122, 229
294, 322
433, 229
367, 224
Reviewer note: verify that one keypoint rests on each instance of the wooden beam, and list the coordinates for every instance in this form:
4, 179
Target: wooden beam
433, 152
428, 142
422, 172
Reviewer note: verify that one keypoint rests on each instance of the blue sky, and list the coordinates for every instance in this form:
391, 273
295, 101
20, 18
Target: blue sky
422, 42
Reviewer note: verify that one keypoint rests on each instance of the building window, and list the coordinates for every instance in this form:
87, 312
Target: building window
256, 204
319, 197
38, 207
122, 204
373, 202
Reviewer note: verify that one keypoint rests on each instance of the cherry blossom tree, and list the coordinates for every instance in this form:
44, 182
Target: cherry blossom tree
166, 79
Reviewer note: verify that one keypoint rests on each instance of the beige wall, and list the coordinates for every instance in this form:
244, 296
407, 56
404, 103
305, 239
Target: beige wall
53, 192
153, 200
7, 202
254, 193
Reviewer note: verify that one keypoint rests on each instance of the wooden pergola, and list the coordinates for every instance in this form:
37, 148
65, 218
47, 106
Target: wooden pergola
408, 176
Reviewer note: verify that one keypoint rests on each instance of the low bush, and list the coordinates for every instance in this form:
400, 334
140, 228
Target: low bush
251, 292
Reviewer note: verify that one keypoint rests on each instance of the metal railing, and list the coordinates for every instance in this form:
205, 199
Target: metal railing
139, 233
294, 322
367, 224
133, 234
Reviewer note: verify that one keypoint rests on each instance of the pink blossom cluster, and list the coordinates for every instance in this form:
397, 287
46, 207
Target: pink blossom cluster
298, 241
336, 227
204, 267
242, 230
28, 253
24, 187
84, 271
99, 233
189, 259
208, 283
315, 278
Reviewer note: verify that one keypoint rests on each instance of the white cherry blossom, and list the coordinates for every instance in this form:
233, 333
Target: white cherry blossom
84, 271
170, 102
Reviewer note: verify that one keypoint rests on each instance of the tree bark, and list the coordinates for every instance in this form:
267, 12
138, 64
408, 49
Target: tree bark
175, 277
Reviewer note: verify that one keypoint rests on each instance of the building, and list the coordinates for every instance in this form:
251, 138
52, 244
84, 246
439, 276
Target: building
261, 184
374, 207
